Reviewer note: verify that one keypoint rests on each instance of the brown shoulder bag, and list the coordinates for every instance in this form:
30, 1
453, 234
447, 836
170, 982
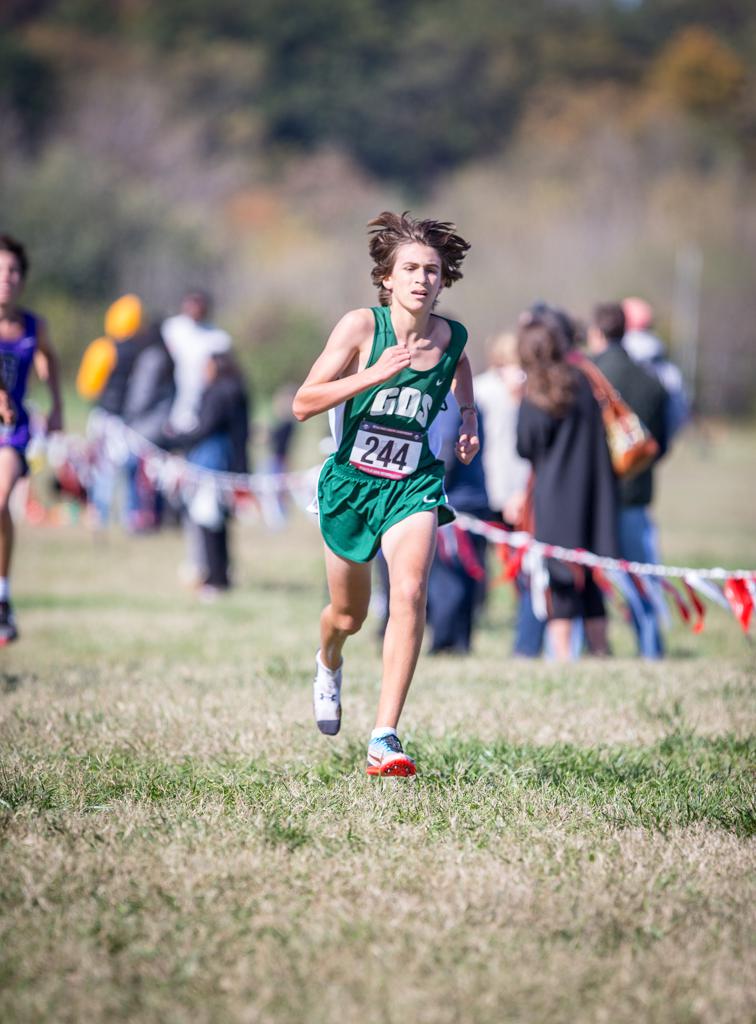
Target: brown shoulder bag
632, 448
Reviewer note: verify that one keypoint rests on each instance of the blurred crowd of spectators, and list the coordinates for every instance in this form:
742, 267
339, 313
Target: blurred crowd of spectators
177, 385
546, 468
545, 465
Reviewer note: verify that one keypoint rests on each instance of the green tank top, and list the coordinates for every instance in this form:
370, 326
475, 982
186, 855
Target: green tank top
383, 431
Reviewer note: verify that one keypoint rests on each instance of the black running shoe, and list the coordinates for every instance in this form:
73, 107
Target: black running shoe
8, 631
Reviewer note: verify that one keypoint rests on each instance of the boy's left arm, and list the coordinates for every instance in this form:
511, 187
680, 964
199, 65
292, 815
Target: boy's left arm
46, 366
468, 442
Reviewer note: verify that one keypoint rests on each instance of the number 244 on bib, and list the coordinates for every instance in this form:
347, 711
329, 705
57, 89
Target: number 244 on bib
386, 451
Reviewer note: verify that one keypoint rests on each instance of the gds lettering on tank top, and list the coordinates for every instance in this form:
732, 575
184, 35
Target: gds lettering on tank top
409, 403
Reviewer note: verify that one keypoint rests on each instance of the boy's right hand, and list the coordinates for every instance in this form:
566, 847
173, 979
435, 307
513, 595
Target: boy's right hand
391, 361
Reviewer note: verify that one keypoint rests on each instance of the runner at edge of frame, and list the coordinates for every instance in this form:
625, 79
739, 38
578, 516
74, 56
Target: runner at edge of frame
24, 342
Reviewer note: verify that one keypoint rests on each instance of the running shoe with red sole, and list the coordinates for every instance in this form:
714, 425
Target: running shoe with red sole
386, 757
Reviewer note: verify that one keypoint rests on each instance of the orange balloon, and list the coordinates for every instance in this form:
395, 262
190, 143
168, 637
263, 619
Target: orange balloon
96, 366
124, 317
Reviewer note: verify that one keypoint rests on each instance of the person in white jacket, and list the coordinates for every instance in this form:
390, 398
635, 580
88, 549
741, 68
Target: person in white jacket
192, 340
646, 349
498, 392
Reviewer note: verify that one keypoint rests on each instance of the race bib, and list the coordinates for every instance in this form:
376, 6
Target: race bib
386, 451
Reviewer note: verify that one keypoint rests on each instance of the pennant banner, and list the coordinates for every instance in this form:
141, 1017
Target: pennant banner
739, 594
109, 438
634, 581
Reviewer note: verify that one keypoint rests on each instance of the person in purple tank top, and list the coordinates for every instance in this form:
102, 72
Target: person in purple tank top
24, 343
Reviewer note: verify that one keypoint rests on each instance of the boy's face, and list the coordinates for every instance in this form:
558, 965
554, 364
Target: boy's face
415, 279
11, 278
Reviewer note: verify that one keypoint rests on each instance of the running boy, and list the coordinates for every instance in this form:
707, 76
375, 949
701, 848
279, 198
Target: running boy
23, 342
383, 376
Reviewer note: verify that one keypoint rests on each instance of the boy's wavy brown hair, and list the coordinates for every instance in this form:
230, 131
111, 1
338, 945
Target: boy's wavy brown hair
390, 230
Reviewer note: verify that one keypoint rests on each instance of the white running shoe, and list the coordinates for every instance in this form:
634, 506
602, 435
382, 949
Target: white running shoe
326, 697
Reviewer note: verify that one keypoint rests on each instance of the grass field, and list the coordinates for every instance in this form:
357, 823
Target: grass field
180, 844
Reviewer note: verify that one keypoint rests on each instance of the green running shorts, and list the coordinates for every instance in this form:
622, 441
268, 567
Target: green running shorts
356, 509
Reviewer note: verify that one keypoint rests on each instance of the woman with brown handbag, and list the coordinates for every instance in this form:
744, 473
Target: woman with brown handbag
561, 432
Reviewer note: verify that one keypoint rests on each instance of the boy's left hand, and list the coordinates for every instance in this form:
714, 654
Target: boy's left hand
468, 443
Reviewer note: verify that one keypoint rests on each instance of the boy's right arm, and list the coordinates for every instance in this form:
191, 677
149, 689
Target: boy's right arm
325, 388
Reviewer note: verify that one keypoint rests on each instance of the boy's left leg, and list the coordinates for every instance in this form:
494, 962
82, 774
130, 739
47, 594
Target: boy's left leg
408, 548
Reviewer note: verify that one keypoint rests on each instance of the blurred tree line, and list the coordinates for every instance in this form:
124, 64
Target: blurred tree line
147, 144
448, 79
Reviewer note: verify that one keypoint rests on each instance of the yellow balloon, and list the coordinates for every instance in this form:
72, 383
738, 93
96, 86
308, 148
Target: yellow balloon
96, 366
124, 317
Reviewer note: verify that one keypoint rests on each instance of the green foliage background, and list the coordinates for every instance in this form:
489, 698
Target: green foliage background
581, 146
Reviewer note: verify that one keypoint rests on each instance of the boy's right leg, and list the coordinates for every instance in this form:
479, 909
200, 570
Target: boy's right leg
349, 589
408, 546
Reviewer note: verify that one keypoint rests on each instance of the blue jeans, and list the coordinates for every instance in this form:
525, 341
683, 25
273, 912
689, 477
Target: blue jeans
452, 601
637, 538
208, 548
529, 631
214, 452
108, 480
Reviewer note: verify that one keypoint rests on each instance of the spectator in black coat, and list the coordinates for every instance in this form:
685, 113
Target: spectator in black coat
147, 402
648, 399
113, 395
150, 388
217, 443
561, 432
